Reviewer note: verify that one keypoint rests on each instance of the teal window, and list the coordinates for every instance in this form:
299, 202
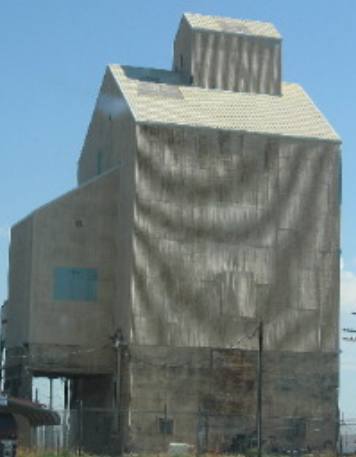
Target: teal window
75, 284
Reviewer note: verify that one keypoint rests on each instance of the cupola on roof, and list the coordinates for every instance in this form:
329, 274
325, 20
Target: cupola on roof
230, 54
230, 25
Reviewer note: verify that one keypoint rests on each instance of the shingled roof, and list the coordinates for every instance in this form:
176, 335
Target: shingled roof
160, 97
230, 25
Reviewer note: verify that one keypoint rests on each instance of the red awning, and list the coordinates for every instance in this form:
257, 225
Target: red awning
35, 413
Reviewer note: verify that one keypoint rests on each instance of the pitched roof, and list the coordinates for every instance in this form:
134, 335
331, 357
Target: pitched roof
229, 25
160, 97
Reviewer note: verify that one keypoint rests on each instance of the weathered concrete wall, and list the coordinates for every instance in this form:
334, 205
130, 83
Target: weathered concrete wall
82, 225
20, 282
210, 394
111, 142
111, 133
92, 399
182, 57
75, 231
231, 229
123, 239
204, 234
18, 308
228, 61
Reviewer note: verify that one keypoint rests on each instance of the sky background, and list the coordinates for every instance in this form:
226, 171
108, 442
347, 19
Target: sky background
52, 59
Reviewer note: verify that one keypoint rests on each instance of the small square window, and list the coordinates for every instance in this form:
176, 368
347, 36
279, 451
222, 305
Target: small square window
165, 425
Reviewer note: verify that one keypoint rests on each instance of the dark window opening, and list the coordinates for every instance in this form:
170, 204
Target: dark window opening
181, 60
296, 429
165, 425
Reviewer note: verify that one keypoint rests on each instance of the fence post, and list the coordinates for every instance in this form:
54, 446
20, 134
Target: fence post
80, 412
259, 389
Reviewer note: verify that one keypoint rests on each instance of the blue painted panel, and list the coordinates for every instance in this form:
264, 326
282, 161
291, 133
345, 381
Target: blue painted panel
75, 284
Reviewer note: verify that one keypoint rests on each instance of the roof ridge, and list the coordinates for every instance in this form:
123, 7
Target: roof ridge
230, 18
258, 28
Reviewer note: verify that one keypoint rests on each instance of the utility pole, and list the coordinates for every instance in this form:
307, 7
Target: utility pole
51, 393
80, 413
118, 384
259, 389
119, 348
51, 435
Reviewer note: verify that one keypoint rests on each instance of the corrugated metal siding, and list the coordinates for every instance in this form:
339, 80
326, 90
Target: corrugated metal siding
228, 229
236, 62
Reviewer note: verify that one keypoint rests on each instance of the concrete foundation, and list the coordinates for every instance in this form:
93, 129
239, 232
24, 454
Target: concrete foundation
210, 397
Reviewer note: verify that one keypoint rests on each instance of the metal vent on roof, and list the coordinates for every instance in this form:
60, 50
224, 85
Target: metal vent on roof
159, 90
152, 79
234, 27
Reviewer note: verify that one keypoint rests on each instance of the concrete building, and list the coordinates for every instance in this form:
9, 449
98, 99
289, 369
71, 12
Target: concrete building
207, 203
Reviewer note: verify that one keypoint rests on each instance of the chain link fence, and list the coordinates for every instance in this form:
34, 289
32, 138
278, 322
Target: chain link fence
99, 430
348, 437
90, 428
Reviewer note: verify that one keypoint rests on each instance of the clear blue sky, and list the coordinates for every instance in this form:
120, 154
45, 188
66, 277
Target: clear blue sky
52, 59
